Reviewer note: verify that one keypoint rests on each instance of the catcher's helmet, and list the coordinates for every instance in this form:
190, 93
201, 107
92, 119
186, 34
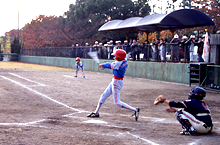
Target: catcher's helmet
77, 58
119, 54
197, 93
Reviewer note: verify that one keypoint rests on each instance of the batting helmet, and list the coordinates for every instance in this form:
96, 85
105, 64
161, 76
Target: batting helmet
197, 93
77, 58
119, 54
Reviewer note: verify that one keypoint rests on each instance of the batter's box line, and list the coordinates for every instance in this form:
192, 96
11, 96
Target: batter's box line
153, 119
146, 140
27, 79
26, 124
40, 94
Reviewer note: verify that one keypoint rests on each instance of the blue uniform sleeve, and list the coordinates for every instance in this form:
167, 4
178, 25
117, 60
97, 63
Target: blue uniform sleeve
107, 65
176, 104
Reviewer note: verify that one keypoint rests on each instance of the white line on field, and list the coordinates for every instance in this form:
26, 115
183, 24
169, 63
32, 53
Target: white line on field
68, 76
136, 136
195, 142
152, 119
26, 79
45, 96
78, 111
23, 124
42, 95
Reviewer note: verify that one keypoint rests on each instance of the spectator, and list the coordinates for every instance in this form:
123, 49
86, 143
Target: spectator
119, 45
77, 50
95, 46
86, 49
136, 49
73, 53
184, 49
200, 49
162, 50
105, 52
175, 48
101, 50
191, 42
157, 49
131, 50
153, 47
146, 50
126, 46
110, 48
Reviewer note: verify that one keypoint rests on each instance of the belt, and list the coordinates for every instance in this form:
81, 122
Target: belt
117, 78
202, 114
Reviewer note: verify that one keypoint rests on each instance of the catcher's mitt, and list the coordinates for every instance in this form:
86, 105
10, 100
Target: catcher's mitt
159, 99
171, 109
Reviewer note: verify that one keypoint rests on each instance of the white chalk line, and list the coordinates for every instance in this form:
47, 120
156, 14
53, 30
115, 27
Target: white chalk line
105, 134
42, 95
69, 76
136, 136
115, 126
77, 77
152, 119
45, 96
27, 79
78, 111
26, 124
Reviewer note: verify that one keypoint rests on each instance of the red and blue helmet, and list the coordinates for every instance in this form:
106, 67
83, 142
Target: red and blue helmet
78, 59
119, 54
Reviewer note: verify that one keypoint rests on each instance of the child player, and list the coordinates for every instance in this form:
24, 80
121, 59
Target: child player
119, 67
195, 117
79, 66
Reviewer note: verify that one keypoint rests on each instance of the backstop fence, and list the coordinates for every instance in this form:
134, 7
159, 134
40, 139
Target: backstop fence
142, 52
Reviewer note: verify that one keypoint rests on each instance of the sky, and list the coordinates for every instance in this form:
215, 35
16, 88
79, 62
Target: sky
28, 10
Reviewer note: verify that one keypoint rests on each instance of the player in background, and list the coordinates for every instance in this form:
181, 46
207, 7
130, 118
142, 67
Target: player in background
119, 68
79, 66
195, 117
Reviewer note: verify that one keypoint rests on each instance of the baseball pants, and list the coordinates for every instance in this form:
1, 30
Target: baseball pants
114, 88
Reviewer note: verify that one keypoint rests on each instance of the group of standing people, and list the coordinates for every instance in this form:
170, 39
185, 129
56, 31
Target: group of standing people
185, 48
156, 50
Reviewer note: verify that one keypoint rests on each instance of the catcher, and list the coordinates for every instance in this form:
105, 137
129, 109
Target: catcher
195, 117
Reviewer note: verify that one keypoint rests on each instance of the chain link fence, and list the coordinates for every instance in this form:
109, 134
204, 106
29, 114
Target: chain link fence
143, 52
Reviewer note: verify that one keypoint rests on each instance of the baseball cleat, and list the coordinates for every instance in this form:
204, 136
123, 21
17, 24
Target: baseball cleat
136, 114
187, 132
93, 115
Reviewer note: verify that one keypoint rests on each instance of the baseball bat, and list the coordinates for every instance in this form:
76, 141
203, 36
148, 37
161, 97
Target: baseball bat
94, 56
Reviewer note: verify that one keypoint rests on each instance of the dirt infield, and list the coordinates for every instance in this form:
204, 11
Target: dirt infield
43, 105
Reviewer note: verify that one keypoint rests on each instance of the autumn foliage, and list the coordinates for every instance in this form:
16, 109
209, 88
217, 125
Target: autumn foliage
43, 32
81, 22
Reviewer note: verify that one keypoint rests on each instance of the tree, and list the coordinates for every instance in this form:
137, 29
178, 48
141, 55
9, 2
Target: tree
80, 23
15, 45
212, 9
83, 19
45, 31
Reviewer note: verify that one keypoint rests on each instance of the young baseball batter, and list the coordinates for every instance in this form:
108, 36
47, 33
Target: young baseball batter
195, 117
119, 67
79, 66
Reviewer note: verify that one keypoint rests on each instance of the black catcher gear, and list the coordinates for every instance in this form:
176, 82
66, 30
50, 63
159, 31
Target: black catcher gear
197, 93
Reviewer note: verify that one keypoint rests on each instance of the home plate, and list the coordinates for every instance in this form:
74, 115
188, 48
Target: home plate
95, 121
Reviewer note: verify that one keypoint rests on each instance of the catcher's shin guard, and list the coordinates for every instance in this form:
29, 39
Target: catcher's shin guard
184, 122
